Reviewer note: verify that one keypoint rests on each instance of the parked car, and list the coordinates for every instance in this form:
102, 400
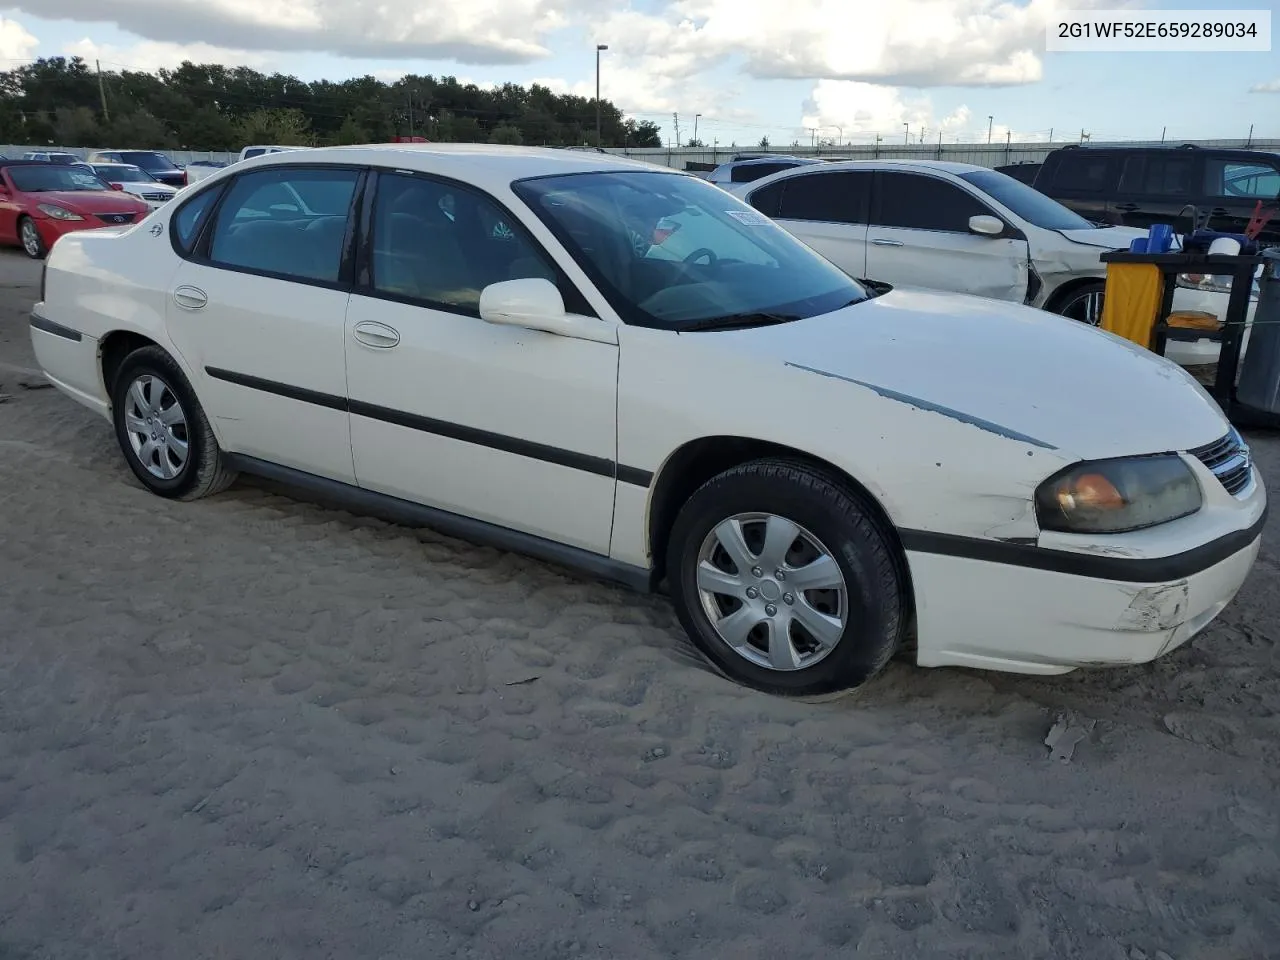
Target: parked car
199, 169
259, 150
751, 170
134, 180
1024, 171
152, 161
50, 156
961, 228
816, 469
1139, 186
42, 201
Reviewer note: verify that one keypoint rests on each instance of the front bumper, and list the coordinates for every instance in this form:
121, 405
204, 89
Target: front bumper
1121, 600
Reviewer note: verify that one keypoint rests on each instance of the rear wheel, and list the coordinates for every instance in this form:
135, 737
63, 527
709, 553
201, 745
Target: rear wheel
29, 237
163, 431
1084, 303
787, 580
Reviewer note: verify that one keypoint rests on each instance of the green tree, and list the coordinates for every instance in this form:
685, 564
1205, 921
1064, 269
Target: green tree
351, 132
506, 133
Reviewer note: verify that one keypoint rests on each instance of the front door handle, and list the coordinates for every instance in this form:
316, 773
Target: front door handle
193, 298
373, 334
881, 242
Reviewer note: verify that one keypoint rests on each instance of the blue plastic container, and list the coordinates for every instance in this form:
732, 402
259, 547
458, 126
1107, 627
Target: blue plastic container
1138, 245
1159, 238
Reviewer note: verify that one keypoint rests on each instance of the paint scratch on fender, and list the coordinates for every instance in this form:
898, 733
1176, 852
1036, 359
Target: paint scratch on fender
1153, 609
957, 415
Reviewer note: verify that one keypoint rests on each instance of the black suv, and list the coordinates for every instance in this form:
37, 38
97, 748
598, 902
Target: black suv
1139, 186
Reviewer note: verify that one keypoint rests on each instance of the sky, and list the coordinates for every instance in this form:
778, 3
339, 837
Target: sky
844, 70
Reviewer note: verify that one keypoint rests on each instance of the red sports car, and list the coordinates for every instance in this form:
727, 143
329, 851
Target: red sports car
39, 202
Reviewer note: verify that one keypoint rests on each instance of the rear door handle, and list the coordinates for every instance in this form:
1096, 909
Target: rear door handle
881, 242
374, 334
1127, 207
193, 298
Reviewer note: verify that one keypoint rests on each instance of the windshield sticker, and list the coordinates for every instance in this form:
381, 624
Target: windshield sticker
749, 217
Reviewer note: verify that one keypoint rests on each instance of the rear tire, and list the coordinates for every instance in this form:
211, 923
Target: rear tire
32, 245
836, 616
163, 431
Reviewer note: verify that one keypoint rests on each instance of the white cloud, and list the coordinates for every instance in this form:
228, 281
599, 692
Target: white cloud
15, 42
858, 112
904, 43
1271, 87
151, 55
474, 31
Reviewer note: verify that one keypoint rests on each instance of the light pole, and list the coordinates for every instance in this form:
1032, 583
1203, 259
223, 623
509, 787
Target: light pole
989, 122
695, 125
599, 47
906, 131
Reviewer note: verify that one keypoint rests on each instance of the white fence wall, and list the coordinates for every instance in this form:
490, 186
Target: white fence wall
987, 155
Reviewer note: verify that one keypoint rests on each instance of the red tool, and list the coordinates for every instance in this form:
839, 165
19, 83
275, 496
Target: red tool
1261, 217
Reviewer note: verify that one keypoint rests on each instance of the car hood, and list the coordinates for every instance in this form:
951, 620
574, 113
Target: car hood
1111, 238
1029, 375
89, 201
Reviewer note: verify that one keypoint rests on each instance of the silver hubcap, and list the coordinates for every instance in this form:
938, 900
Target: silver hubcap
30, 239
157, 427
1087, 309
772, 590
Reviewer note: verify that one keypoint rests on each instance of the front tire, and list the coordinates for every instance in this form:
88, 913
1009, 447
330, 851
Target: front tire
32, 245
1084, 304
163, 431
786, 580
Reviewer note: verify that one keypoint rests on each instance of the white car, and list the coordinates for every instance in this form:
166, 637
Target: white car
962, 228
622, 367
739, 173
258, 150
135, 180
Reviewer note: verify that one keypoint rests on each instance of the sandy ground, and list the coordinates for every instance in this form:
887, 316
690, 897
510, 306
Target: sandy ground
251, 727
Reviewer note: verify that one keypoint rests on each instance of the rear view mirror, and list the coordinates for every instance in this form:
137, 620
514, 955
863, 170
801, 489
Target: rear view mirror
986, 226
535, 304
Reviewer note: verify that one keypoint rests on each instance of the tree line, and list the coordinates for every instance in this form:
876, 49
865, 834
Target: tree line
211, 107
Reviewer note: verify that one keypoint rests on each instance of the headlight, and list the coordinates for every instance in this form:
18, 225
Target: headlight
1117, 496
56, 212
1204, 282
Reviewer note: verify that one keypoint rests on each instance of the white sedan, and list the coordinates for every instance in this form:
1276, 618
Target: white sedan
133, 179
957, 227
623, 368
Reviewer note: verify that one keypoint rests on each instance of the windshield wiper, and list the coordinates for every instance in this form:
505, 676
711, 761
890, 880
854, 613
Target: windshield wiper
738, 321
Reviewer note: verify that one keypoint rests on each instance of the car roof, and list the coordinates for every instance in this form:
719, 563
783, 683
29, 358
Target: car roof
1190, 148
28, 163
488, 165
888, 163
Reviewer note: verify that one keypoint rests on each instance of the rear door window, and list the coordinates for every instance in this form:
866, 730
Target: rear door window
832, 196
1158, 175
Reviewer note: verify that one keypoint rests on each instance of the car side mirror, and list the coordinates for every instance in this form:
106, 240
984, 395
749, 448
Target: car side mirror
116, 186
986, 226
535, 304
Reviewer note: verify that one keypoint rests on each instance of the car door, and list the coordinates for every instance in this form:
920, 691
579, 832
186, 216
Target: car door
257, 309
501, 424
1156, 186
920, 237
1233, 186
9, 209
827, 209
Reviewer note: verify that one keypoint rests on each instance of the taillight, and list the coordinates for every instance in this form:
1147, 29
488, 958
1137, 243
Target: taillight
186, 181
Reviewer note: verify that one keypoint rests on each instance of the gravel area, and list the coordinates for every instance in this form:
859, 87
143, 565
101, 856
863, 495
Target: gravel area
255, 727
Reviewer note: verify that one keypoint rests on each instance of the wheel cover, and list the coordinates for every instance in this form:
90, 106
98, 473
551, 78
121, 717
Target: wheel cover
30, 239
773, 592
1086, 308
157, 427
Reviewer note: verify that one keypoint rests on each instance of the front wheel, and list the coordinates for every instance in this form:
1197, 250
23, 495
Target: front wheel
162, 429
786, 581
1084, 303
29, 237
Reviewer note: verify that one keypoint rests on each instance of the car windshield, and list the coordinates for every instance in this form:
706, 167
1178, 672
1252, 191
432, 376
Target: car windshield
45, 178
676, 252
155, 162
1027, 202
123, 173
